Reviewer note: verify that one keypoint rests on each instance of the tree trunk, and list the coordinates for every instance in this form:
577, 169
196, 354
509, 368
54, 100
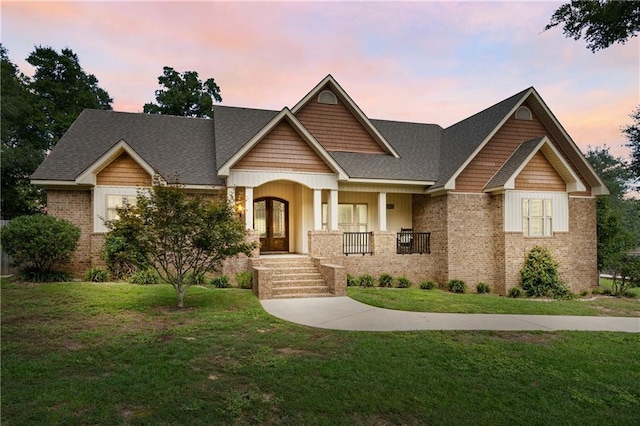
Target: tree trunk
181, 290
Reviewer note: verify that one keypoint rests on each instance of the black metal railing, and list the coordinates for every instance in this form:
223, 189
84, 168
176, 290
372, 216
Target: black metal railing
356, 243
409, 242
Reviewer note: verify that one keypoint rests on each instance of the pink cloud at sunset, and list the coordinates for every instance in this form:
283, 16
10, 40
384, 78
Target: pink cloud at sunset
434, 62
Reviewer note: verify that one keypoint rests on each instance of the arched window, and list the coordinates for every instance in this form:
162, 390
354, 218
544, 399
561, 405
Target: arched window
523, 113
327, 97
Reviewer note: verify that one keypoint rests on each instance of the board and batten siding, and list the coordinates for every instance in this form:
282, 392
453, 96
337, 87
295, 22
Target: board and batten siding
336, 128
494, 154
283, 149
513, 209
540, 175
123, 171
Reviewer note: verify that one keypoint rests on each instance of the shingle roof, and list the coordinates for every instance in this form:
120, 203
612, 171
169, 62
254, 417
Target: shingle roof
460, 140
174, 146
194, 149
513, 163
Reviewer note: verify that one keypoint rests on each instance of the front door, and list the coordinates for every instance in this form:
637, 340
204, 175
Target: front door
271, 219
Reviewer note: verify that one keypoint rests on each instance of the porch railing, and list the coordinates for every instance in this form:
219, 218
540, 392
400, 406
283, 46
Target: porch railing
356, 243
409, 242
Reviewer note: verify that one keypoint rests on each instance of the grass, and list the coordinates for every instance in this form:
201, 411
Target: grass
79, 353
442, 301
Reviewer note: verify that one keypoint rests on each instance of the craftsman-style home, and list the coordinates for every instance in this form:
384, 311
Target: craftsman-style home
340, 193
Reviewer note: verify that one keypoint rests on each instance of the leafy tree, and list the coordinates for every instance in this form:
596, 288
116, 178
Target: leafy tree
64, 88
35, 114
632, 131
181, 236
23, 136
613, 238
601, 23
39, 241
184, 95
614, 171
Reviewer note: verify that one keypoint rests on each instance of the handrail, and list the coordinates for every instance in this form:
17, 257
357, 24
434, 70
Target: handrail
356, 243
409, 242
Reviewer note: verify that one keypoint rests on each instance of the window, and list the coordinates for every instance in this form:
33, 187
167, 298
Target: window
327, 97
351, 217
117, 201
536, 217
523, 113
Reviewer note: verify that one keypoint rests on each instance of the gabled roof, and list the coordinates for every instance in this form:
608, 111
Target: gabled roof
333, 85
463, 140
173, 146
284, 115
505, 176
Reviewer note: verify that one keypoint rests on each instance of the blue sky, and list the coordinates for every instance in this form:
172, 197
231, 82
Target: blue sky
434, 62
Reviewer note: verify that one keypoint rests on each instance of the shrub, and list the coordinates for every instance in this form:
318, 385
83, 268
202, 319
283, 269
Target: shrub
196, 279
456, 286
403, 282
122, 258
36, 275
351, 281
428, 285
385, 280
221, 282
245, 279
366, 281
515, 292
483, 288
540, 275
144, 277
36, 243
96, 275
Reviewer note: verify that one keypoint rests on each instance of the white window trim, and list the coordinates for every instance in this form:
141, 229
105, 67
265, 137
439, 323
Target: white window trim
100, 194
513, 209
547, 220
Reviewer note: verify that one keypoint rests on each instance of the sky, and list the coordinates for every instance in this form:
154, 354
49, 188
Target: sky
421, 61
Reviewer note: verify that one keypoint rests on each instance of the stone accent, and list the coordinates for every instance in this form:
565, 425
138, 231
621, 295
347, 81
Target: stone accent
335, 276
76, 207
240, 263
326, 244
262, 278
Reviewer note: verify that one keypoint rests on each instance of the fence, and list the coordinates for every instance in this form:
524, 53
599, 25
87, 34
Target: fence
5, 259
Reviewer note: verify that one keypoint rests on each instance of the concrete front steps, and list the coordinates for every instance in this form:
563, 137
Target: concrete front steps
294, 276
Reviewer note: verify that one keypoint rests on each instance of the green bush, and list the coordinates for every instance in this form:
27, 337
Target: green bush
515, 292
428, 285
245, 279
629, 293
96, 275
196, 279
123, 259
366, 281
540, 275
403, 282
456, 286
385, 280
483, 288
36, 275
37, 243
221, 282
351, 281
144, 277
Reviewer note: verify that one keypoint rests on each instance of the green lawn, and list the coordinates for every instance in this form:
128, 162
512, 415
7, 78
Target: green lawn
80, 353
414, 299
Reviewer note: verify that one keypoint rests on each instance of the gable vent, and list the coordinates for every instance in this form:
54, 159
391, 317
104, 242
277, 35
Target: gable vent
523, 113
327, 97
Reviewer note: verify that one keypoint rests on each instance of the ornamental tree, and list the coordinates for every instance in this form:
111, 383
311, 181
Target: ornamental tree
181, 235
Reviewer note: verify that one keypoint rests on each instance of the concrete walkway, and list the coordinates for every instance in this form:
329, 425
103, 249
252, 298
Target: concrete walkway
344, 313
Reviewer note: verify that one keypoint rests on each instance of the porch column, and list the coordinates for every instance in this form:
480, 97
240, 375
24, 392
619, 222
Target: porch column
382, 211
317, 209
231, 197
333, 210
248, 208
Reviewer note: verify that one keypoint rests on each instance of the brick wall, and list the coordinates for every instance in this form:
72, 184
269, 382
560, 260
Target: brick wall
76, 207
575, 251
430, 215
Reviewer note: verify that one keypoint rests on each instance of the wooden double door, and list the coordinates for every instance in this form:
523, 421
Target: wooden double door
271, 219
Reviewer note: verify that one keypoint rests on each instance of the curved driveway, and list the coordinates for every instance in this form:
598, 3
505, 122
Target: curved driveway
344, 313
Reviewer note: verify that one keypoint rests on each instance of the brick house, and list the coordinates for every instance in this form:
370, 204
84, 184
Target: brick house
348, 194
